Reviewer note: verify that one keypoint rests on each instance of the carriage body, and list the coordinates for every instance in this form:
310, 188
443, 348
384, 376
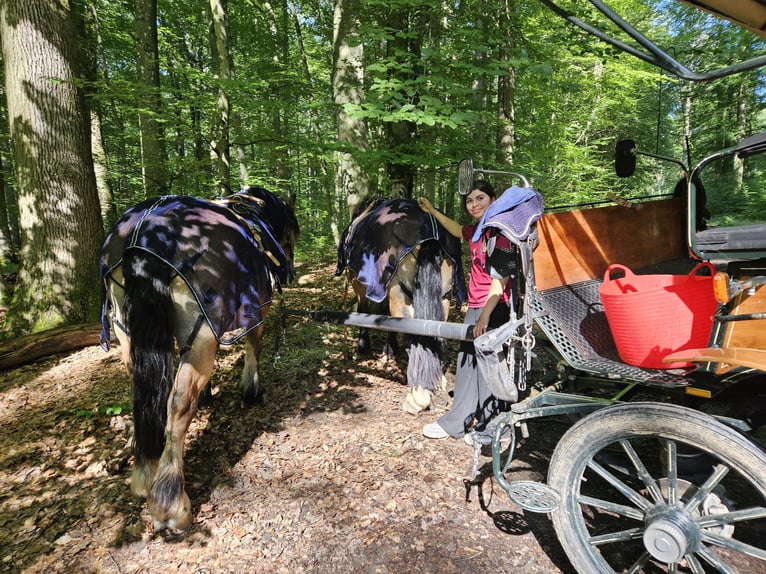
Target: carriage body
619, 487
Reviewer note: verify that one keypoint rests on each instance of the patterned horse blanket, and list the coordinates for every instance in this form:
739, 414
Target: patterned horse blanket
224, 250
386, 231
514, 214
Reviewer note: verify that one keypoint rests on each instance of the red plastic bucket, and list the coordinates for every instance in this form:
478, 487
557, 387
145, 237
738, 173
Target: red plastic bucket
651, 316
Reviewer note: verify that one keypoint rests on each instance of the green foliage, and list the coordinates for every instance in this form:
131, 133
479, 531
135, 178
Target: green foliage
106, 410
437, 69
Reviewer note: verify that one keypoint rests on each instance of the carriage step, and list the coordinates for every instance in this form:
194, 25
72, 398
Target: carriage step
534, 496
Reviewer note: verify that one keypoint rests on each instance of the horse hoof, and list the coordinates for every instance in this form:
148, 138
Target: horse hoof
418, 399
175, 519
252, 399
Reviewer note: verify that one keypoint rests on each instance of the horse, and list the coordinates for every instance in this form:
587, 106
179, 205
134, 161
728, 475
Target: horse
395, 253
185, 271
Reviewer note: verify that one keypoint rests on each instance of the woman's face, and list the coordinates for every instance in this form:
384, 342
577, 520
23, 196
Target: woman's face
477, 202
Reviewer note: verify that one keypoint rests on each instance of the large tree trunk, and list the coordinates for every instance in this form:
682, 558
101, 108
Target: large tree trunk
60, 223
351, 180
506, 87
402, 134
149, 102
220, 147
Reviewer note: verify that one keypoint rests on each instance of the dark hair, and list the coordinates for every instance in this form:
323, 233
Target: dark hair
483, 186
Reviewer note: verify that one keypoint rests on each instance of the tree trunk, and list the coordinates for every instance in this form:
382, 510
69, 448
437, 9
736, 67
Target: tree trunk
402, 133
742, 118
88, 26
220, 148
506, 87
60, 223
149, 102
351, 180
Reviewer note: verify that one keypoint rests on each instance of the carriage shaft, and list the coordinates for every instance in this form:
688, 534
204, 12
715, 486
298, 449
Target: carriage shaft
422, 327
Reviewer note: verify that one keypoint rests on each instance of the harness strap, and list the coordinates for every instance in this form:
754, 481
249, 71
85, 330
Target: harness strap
120, 326
193, 335
404, 288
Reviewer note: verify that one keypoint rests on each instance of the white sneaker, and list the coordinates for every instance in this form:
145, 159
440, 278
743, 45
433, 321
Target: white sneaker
468, 438
434, 430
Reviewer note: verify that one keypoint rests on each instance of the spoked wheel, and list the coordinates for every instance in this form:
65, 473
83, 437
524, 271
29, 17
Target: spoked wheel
651, 487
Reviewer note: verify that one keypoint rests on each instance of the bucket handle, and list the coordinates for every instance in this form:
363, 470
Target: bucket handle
627, 273
704, 265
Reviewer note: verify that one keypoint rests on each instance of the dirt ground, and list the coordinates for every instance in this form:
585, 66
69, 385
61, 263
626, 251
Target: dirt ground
328, 476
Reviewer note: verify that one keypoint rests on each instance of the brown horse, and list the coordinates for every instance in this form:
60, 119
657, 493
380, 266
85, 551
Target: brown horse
394, 252
196, 273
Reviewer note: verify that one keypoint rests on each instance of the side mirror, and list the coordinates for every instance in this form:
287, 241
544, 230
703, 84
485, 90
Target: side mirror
625, 158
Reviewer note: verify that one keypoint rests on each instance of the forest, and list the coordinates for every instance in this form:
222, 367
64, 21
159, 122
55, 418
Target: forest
109, 102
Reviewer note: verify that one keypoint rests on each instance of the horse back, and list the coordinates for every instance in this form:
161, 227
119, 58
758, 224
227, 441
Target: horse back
206, 245
377, 245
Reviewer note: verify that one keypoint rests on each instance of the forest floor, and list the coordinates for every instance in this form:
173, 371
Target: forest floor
328, 476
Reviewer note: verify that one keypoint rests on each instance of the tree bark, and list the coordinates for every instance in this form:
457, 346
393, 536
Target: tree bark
506, 87
351, 180
149, 102
220, 149
60, 222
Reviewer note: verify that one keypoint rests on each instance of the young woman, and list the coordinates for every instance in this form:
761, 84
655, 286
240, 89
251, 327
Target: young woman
472, 400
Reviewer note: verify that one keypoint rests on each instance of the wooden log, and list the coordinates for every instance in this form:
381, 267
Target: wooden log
30, 348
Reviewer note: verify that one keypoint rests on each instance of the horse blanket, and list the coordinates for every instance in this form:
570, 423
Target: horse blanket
513, 215
385, 232
224, 251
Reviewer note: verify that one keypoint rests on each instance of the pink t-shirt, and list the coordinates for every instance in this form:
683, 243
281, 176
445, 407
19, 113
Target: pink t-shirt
478, 280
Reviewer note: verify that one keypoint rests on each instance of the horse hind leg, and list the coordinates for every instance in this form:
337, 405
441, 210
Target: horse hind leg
145, 310
168, 502
250, 383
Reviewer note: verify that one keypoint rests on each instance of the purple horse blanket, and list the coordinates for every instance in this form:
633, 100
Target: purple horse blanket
386, 231
224, 250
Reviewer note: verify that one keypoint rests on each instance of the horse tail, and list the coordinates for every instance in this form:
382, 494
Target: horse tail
427, 294
425, 367
150, 318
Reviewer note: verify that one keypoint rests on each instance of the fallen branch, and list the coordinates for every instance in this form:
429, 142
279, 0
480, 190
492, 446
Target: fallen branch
45, 343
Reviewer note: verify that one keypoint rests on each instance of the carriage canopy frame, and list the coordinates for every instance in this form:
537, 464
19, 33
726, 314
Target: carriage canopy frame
748, 14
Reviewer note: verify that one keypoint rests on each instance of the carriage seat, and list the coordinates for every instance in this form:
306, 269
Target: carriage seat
575, 249
739, 238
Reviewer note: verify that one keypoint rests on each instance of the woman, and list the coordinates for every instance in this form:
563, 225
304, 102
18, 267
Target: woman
472, 398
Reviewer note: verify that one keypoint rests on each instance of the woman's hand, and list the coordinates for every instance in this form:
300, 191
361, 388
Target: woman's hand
425, 205
481, 324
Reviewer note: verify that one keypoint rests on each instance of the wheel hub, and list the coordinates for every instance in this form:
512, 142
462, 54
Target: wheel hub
671, 535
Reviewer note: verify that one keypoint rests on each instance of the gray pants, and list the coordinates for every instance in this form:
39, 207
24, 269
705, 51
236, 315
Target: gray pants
472, 398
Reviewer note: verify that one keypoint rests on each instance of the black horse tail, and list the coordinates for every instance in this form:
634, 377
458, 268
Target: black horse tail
150, 322
425, 367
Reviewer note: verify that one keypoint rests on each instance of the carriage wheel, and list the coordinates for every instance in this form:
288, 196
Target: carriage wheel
650, 487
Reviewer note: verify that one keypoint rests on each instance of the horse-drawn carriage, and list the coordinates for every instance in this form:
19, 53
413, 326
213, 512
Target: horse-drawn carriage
654, 474
661, 471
